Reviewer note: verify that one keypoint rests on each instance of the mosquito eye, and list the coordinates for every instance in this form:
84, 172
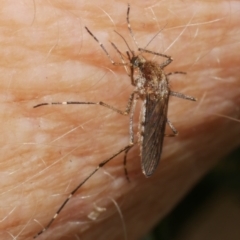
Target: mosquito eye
135, 62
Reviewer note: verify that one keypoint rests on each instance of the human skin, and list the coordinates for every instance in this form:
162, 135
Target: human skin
46, 55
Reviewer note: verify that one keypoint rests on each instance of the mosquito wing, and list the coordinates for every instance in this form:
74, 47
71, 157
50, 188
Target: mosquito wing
154, 123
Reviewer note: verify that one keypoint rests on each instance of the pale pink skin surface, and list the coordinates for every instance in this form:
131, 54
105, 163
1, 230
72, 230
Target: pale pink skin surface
46, 55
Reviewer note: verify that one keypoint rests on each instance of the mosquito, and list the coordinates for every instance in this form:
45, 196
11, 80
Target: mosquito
152, 87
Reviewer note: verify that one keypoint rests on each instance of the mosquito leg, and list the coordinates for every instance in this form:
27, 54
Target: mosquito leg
162, 65
174, 130
183, 96
172, 73
88, 103
129, 26
125, 162
126, 112
131, 135
130, 108
100, 165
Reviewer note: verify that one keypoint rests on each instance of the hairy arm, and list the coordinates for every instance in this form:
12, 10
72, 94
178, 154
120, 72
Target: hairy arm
46, 55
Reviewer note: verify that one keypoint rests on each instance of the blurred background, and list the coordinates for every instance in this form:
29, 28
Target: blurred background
211, 211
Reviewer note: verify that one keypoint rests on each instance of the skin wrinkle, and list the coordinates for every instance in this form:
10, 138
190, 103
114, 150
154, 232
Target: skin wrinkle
46, 55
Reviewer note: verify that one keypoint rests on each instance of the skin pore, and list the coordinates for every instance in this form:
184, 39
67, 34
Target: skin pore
46, 55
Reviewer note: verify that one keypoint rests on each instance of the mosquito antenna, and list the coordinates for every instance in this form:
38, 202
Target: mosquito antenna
155, 36
125, 42
119, 52
129, 27
129, 57
122, 57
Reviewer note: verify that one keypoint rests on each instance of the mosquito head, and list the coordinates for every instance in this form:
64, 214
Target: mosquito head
137, 61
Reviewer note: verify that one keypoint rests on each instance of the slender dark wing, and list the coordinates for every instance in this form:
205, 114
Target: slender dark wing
154, 123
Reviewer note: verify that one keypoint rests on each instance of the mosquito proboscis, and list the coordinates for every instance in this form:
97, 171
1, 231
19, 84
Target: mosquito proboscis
152, 87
